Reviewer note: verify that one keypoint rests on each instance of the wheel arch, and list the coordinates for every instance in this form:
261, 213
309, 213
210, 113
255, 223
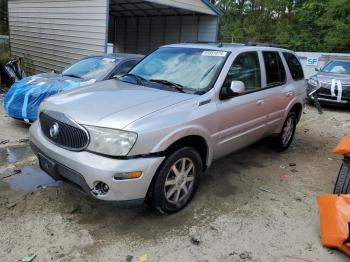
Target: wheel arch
193, 136
297, 108
195, 141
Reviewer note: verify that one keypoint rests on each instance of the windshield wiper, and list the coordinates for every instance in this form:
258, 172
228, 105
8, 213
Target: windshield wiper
72, 75
178, 87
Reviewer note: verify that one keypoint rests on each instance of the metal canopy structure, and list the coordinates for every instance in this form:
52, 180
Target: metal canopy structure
138, 26
51, 34
137, 8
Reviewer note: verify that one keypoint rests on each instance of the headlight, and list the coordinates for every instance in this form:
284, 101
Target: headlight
312, 82
111, 142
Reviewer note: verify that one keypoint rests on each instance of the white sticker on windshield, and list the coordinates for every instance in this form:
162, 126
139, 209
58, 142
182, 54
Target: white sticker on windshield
214, 53
108, 60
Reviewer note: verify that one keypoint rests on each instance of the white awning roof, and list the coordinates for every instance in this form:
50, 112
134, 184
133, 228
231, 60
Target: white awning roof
161, 7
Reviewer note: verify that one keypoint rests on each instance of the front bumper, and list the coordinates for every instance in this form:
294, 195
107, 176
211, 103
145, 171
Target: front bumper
324, 96
92, 168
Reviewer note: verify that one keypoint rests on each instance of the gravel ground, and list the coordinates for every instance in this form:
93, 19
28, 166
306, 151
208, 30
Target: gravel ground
254, 205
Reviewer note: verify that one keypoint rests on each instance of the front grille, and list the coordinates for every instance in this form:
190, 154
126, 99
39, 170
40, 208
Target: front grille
70, 135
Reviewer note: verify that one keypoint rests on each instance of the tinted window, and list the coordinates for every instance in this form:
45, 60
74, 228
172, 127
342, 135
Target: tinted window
91, 68
275, 73
294, 66
124, 68
337, 67
245, 68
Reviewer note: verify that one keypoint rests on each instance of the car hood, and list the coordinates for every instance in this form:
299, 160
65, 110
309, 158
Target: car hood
42, 85
328, 77
112, 103
51, 80
24, 97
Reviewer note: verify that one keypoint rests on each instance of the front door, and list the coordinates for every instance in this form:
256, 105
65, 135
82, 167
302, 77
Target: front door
242, 119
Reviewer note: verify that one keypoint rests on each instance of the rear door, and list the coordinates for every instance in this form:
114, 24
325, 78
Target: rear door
279, 87
242, 119
295, 73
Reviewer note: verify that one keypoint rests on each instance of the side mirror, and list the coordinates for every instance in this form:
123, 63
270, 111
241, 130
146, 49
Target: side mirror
237, 88
317, 69
56, 71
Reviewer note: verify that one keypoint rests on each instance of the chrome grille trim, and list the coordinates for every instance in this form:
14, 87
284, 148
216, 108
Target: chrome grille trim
72, 136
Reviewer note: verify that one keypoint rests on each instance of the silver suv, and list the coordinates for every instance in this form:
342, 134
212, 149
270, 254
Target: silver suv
151, 134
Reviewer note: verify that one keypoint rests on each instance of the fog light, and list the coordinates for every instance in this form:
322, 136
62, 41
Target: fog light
128, 175
100, 188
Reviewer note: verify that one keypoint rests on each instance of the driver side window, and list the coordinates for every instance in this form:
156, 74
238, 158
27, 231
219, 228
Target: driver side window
245, 68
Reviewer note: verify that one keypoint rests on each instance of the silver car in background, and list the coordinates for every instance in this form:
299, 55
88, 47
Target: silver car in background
151, 134
332, 83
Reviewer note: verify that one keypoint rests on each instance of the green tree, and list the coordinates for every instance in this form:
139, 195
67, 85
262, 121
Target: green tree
3, 18
304, 25
335, 24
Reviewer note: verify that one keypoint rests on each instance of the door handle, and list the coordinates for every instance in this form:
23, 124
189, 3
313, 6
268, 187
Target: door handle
289, 94
260, 102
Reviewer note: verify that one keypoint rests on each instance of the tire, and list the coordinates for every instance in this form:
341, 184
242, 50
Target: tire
342, 186
281, 143
161, 196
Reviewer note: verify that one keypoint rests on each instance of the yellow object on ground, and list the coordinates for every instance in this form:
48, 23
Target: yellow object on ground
143, 258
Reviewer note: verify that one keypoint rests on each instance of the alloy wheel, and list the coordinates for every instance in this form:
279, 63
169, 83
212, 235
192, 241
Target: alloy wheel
179, 181
288, 130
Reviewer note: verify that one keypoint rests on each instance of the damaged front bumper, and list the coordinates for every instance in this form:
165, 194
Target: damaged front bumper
325, 96
86, 170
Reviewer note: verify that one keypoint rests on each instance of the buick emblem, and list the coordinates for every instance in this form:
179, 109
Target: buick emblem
54, 130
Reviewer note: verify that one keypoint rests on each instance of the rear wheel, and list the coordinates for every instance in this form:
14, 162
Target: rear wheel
177, 181
342, 186
285, 138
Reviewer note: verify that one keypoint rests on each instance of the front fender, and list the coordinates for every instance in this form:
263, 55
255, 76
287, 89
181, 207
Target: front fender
191, 130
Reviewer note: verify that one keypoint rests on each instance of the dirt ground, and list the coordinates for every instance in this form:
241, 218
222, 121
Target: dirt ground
255, 205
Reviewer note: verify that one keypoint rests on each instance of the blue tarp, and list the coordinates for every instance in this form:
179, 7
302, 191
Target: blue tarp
25, 96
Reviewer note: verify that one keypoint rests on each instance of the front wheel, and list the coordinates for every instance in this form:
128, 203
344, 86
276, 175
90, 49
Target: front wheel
285, 138
177, 181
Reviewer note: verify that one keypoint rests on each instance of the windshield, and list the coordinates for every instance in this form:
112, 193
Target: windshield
190, 68
91, 68
337, 67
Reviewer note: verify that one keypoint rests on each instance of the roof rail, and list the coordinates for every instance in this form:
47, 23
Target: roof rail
265, 44
201, 42
218, 44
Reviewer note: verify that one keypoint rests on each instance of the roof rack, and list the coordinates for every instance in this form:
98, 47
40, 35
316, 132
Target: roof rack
218, 44
265, 44
201, 42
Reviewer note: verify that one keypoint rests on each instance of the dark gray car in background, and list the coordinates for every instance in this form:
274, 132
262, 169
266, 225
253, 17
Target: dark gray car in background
333, 82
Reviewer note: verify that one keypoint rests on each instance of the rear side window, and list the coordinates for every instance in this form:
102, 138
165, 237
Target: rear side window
294, 66
275, 73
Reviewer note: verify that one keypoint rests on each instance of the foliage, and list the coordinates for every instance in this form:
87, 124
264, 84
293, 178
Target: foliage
3, 18
303, 25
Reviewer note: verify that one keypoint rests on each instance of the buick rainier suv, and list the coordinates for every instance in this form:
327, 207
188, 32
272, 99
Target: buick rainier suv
149, 135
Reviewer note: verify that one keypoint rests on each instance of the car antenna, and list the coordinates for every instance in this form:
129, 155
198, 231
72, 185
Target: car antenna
219, 44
